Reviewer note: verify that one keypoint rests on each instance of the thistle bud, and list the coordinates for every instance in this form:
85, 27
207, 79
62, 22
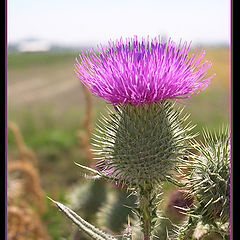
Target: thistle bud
142, 144
210, 178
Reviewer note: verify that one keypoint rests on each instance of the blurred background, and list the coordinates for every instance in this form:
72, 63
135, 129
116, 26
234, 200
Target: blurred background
51, 116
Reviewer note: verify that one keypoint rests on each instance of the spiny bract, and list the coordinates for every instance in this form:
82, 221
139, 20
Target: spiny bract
142, 144
210, 177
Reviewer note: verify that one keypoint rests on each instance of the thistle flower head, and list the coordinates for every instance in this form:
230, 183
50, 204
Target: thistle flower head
143, 71
210, 177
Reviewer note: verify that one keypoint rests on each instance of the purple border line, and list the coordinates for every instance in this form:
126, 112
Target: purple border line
231, 119
6, 153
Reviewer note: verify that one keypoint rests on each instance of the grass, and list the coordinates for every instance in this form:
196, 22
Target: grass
26, 60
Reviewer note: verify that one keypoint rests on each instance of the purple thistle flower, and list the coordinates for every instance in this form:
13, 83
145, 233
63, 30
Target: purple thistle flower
143, 71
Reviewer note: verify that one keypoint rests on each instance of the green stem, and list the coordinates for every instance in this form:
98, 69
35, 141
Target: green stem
145, 218
146, 234
146, 211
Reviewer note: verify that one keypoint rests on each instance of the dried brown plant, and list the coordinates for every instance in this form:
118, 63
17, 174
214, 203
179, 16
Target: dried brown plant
28, 175
25, 224
25, 154
26, 198
87, 124
85, 136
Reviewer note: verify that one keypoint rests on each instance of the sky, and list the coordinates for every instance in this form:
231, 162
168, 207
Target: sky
89, 22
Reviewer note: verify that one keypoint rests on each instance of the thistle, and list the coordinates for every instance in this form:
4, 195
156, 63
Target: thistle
209, 181
142, 143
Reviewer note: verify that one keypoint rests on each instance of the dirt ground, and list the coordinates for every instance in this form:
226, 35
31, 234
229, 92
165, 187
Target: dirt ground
34, 85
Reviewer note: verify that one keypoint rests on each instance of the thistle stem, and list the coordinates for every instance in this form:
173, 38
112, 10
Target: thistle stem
145, 219
146, 234
146, 212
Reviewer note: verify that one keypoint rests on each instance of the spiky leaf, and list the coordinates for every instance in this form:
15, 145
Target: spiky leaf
83, 225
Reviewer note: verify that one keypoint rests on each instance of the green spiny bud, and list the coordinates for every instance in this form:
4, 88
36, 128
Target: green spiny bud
210, 177
142, 144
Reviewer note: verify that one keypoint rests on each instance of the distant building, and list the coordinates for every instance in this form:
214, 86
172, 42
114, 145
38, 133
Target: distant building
33, 45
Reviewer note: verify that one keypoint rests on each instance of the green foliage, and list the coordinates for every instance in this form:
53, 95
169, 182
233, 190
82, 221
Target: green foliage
88, 197
23, 60
114, 213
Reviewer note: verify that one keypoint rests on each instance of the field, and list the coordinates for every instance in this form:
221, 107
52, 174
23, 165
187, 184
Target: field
46, 101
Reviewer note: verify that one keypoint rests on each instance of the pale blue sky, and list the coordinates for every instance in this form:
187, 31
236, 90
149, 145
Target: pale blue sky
89, 22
